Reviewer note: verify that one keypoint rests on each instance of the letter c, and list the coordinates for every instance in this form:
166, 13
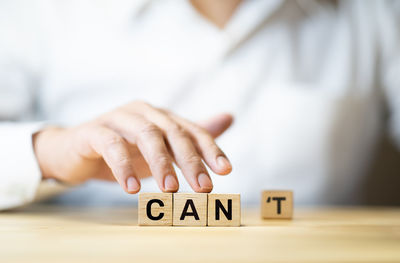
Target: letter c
148, 209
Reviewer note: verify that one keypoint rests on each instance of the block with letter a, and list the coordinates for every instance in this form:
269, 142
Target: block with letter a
190, 209
277, 204
224, 210
155, 209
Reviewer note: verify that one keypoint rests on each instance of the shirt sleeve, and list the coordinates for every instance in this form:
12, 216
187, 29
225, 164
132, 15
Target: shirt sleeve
19, 172
19, 70
389, 30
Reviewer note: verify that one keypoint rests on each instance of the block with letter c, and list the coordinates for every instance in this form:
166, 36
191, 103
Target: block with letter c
155, 209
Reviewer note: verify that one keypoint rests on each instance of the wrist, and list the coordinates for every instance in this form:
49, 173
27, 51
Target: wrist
45, 147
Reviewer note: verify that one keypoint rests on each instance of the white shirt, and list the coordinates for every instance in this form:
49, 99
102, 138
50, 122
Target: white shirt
307, 81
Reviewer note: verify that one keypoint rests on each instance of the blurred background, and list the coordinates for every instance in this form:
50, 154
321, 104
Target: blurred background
314, 87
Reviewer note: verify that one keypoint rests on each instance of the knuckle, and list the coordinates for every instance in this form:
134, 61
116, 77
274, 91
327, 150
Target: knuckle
203, 137
192, 159
150, 129
202, 133
123, 160
164, 111
176, 130
163, 160
197, 129
113, 140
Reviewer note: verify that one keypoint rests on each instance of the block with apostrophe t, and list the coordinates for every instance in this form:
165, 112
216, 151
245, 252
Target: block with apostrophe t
277, 204
190, 209
224, 210
155, 209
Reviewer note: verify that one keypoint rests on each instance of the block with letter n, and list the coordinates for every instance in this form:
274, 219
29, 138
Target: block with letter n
224, 210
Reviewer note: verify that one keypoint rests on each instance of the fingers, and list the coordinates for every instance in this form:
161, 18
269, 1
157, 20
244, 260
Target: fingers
163, 138
141, 167
150, 141
183, 150
205, 144
189, 161
115, 151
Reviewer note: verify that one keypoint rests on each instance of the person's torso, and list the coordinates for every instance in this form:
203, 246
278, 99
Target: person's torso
300, 83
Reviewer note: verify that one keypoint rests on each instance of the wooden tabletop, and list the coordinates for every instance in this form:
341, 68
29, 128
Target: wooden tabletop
45, 233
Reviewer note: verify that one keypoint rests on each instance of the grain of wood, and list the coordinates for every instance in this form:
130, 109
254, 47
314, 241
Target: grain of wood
218, 205
155, 209
190, 209
276, 204
71, 233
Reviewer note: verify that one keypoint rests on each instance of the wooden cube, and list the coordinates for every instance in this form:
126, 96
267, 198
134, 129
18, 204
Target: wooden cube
155, 209
223, 210
190, 209
277, 204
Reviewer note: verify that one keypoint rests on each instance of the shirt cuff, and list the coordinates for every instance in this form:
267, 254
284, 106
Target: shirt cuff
20, 174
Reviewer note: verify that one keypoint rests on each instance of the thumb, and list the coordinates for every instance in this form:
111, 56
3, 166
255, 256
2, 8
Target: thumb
217, 124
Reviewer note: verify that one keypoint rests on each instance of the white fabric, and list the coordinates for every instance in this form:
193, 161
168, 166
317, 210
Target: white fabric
306, 81
20, 174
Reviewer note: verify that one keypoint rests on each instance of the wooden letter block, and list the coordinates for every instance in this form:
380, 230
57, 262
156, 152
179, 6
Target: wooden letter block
190, 209
223, 210
155, 209
277, 204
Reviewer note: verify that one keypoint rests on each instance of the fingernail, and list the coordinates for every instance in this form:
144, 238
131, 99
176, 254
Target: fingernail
132, 184
170, 183
223, 163
205, 182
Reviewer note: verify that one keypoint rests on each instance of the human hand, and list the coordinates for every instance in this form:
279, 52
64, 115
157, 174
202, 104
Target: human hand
133, 142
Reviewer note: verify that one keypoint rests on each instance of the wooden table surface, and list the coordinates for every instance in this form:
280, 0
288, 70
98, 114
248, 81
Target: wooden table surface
45, 233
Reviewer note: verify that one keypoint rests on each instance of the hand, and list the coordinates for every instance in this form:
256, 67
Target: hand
133, 142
